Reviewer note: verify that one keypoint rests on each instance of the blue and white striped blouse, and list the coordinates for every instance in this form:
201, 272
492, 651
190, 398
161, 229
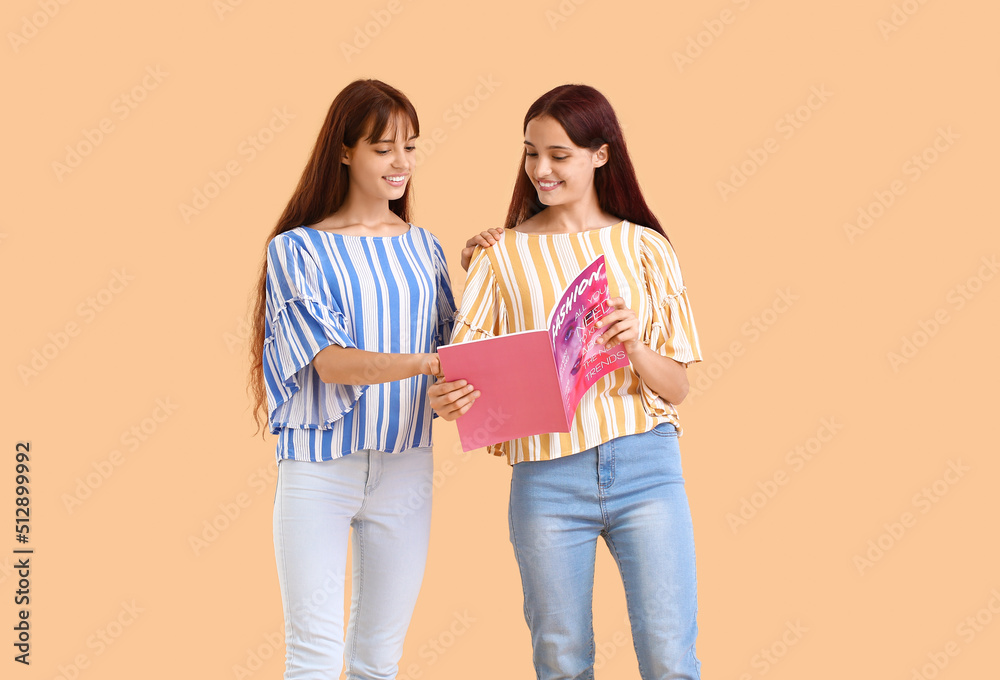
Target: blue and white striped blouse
380, 294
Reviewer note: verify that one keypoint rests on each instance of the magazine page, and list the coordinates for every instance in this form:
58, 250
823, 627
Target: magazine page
580, 361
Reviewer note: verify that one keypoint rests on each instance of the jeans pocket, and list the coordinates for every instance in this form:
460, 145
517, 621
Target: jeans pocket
665, 430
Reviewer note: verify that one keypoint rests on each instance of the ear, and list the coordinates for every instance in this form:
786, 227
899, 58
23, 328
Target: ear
345, 155
602, 155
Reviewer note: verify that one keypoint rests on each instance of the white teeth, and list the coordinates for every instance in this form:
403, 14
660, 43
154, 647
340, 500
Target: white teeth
398, 178
547, 184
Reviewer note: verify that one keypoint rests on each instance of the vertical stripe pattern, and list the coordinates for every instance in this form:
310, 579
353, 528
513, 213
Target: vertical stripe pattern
379, 294
513, 286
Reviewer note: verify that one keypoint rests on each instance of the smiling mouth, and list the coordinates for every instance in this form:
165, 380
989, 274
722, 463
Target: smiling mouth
395, 180
546, 185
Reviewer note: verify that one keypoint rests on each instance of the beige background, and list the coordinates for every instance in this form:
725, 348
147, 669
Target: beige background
137, 314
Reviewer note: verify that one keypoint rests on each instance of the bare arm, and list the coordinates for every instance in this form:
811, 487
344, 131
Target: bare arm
349, 366
663, 375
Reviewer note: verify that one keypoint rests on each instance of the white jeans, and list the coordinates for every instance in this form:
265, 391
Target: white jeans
385, 498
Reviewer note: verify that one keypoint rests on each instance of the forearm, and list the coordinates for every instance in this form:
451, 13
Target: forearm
349, 366
663, 375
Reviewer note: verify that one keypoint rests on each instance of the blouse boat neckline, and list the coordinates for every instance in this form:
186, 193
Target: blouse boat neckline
339, 235
619, 223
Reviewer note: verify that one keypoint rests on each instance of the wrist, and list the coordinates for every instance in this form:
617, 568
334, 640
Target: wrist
423, 366
635, 347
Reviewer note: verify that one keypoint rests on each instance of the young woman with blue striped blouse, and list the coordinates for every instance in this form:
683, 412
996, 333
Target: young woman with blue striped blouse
351, 306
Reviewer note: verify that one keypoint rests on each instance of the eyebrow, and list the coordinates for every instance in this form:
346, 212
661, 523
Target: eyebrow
390, 141
551, 146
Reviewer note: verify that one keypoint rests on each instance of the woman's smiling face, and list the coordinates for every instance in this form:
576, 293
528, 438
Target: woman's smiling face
382, 168
560, 171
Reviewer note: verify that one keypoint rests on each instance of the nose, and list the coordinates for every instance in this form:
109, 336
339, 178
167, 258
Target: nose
399, 159
542, 168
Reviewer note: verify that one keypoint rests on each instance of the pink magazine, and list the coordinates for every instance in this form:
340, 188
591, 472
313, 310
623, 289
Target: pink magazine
531, 382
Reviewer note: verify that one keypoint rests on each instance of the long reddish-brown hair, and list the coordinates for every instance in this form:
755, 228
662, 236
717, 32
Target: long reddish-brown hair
589, 120
363, 106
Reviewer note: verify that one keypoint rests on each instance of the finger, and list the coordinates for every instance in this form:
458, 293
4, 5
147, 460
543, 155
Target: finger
452, 411
616, 333
443, 387
448, 399
465, 403
611, 318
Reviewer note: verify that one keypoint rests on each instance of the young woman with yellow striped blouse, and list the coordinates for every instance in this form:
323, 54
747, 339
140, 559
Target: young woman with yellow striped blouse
617, 473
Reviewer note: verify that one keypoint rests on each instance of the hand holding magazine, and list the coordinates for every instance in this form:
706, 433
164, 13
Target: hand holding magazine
531, 382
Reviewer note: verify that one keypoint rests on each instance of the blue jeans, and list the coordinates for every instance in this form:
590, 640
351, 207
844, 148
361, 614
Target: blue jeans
630, 491
385, 498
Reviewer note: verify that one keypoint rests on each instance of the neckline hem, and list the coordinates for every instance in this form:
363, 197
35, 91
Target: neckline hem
569, 233
334, 233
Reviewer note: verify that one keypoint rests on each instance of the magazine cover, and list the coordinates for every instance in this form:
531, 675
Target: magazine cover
531, 382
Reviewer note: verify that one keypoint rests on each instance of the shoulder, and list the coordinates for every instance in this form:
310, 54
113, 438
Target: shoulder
654, 245
290, 241
423, 237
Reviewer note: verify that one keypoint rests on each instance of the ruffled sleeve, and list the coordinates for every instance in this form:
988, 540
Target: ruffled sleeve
445, 298
303, 317
670, 328
481, 314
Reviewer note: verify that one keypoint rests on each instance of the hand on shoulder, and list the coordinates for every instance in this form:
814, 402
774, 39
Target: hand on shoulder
486, 239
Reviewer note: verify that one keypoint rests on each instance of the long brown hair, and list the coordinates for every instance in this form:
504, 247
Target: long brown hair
364, 105
589, 120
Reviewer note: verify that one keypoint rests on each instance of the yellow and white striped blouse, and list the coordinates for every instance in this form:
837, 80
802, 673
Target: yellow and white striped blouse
513, 286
